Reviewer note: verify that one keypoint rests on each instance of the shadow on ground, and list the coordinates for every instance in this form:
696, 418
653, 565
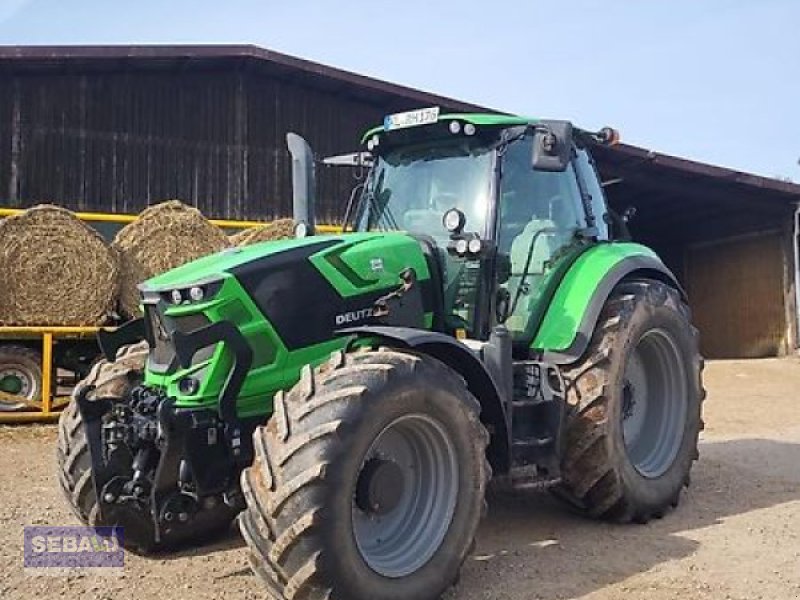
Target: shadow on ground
529, 546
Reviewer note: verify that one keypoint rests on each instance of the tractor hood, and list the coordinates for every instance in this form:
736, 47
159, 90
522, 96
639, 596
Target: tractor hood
287, 299
216, 266
358, 259
306, 278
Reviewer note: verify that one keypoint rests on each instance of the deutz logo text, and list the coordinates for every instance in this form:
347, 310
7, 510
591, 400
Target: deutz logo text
352, 316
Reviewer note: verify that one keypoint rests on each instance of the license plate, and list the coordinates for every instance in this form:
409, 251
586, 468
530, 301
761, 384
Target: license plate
412, 118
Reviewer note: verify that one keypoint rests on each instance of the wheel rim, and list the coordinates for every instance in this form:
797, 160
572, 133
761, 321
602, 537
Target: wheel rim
17, 380
654, 403
405, 495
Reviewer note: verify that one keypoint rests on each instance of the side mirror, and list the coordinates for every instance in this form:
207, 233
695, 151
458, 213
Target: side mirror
354, 159
552, 145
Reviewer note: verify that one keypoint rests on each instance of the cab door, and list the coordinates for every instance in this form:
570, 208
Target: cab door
541, 229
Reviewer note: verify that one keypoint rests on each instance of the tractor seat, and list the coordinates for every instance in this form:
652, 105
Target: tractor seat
546, 243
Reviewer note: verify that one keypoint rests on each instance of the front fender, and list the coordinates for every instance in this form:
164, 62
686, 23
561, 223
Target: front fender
462, 360
573, 312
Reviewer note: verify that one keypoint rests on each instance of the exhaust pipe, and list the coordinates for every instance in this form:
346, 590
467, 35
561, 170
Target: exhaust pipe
303, 185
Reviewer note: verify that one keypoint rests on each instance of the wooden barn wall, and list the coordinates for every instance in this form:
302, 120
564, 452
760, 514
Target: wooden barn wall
119, 141
738, 296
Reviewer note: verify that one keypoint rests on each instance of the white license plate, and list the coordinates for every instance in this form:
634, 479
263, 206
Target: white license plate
412, 118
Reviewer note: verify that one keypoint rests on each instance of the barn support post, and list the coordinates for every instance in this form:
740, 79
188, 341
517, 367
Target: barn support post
793, 284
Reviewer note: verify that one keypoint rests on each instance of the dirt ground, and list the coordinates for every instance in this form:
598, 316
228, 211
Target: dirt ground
735, 535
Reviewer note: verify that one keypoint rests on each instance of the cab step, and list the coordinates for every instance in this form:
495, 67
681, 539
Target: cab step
537, 414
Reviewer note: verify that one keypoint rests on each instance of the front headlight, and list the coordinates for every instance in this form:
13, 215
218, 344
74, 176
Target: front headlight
190, 294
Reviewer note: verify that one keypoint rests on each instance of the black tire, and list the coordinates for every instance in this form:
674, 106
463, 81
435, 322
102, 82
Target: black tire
602, 476
24, 366
72, 450
302, 492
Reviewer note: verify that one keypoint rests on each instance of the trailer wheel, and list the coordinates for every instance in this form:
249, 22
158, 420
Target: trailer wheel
636, 407
72, 451
20, 375
368, 482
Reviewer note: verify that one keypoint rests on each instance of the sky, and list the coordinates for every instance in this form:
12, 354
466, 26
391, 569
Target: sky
713, 80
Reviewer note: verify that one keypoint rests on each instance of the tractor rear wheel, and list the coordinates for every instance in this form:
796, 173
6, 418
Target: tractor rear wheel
111, 380
635, 398
368, 481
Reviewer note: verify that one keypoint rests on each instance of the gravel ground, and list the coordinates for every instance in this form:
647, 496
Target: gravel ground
735, 535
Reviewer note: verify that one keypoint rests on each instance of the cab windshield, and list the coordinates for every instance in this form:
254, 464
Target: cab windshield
411, 188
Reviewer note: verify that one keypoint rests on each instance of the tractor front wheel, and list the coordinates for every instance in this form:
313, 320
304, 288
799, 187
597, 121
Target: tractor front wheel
635, 401
368, 482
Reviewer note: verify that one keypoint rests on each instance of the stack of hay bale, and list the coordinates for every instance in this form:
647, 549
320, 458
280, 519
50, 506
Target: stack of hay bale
57, 270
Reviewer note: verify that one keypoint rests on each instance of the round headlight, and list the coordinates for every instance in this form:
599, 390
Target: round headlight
188, 386
454, 220
196, 294
177, 297
461, 246
469, 129
455, 127
474, 246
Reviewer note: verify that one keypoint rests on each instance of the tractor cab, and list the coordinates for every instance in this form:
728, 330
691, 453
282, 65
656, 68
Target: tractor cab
503, 205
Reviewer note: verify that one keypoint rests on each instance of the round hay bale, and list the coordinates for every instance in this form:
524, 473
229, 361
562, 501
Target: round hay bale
56, 270
282, 229
163, 237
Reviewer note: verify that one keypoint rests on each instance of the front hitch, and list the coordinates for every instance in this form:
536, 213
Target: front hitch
161, 472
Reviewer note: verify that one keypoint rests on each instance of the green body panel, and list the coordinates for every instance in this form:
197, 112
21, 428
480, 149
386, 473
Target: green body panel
576, 290
349, 266
357, 263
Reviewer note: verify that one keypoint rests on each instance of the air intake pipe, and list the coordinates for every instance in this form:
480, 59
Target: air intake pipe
303, 185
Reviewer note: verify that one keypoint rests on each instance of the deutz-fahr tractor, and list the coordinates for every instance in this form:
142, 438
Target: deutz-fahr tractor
483, 315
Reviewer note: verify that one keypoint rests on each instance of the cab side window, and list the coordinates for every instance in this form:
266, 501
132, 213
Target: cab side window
540, 214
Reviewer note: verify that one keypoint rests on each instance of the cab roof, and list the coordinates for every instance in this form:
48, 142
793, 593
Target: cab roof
477, 119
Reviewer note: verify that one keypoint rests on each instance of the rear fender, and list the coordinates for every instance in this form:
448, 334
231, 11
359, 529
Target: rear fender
575, 308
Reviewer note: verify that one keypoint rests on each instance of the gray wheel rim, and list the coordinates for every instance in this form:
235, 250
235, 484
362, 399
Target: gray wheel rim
403, 539
27, 381
654, 403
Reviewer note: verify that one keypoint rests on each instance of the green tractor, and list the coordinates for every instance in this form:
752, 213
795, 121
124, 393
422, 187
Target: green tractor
350, 396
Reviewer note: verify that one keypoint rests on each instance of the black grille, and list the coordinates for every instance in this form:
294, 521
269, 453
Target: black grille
162, 354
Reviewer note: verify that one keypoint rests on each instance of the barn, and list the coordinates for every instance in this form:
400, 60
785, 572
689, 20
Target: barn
116, 128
